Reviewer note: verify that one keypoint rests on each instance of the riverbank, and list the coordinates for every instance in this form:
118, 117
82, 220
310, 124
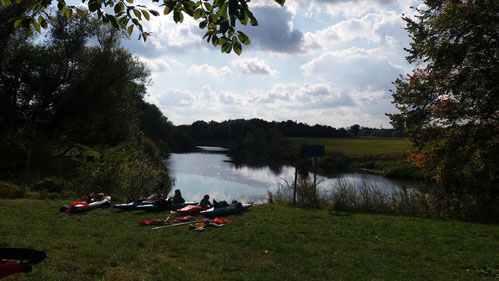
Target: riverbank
383, 156
269, 242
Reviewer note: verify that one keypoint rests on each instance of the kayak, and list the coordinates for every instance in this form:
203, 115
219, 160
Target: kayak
224, 211
154, 207
131, 205
192, 209
78, 207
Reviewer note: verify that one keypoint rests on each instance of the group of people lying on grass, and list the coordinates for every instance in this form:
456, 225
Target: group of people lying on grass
206, 202
159, 200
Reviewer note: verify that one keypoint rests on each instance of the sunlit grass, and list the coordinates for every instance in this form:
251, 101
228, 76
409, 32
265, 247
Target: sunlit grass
356, 146
269, 242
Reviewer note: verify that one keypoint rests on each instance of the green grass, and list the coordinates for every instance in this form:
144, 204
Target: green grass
269, 242
356, 146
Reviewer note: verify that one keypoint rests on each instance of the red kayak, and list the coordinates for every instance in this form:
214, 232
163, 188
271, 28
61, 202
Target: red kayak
192, 209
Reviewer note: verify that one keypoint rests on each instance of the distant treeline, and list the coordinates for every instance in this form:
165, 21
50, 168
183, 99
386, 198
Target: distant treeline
226, 132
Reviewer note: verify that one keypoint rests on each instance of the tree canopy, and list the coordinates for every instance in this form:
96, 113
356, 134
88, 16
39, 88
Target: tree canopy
218, 17
449, 105
72, 106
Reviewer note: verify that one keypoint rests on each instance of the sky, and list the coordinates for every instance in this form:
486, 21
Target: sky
328, 62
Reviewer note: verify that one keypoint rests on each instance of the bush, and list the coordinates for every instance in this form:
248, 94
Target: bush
48, 185
307, 194
124, 171
11, 191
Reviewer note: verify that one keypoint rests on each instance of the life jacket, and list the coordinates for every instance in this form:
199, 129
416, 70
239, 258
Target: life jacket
85, 206
220, 221
9, 267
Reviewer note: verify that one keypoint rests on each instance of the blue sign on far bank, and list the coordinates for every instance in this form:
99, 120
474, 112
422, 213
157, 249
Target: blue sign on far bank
316, 150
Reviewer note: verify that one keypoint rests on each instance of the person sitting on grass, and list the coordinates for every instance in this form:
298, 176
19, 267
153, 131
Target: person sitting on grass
205, 201
177, 197
95, 196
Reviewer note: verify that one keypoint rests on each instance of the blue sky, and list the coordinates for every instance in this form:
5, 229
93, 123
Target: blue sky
327, 62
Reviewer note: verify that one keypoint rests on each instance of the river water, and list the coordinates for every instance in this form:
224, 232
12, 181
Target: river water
210, 171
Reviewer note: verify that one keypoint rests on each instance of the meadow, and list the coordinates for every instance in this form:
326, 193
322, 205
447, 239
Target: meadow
269, 242
356, 146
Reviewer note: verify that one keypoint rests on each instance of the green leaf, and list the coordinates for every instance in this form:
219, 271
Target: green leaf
146, 14
223, 40
61, 6
214, 40
188, 8
113, 21
43, 23
36, 25
137, 14
17, 23
253, 21
243, 38
238, 48
130, 30
178, 16
244, 19
224, 26
280, 2
130, 1
68, 13
198, 13
81, 13
222, 11
203, 24
213, 18
154, 13
119, 8
6, 2
93, 6
208, 6
167, 10
226, 48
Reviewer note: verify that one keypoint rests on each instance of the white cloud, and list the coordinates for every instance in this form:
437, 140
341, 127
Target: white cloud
378, 28
275, 31
335, 60
252, 66
208, 70
156, 65
354, 68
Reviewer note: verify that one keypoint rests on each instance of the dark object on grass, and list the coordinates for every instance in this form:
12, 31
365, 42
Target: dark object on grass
15, 260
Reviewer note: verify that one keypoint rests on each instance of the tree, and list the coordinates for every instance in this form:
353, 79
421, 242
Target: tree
449, 106
219, 17
354, 130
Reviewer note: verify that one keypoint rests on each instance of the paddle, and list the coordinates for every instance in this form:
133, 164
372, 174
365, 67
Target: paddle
171, 212
176, 224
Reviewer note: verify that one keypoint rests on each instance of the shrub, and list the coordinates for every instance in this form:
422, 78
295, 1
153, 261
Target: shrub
307, 194
48, 185
11, 191
124, 171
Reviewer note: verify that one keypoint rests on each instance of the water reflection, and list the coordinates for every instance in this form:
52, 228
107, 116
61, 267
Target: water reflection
209, 171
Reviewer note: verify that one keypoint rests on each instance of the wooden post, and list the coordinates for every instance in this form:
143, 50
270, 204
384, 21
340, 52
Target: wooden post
296, 181
315, 179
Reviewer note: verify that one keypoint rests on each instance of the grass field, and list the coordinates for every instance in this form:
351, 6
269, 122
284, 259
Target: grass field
267, 243
356, 146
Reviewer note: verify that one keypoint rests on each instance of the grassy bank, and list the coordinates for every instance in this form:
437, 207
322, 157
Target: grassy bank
387, 156
357, 147
267, 243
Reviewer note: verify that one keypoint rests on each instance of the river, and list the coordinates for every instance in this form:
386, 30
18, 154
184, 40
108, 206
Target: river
211, 172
